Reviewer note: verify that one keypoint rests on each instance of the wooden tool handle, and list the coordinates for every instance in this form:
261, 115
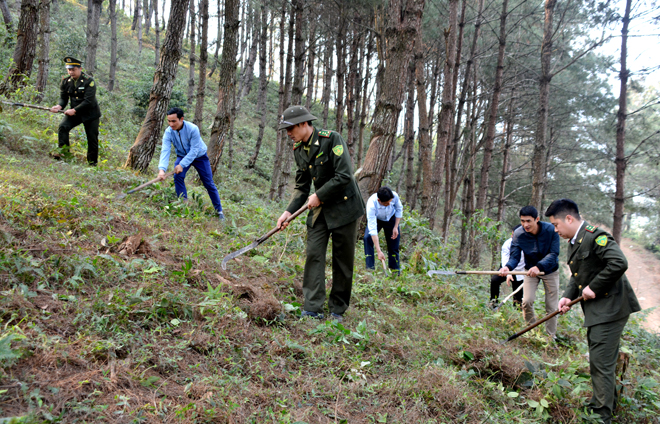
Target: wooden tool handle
542, 320
495, 272
289, 219
155, 180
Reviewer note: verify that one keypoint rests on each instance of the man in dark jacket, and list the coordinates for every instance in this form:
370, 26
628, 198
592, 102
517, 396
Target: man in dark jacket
540, 244
598, 269
322, 159
81, 91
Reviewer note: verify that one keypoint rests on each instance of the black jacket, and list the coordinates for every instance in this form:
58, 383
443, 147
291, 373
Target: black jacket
82, 94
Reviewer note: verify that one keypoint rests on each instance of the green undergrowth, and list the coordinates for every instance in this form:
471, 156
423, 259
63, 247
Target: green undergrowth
117, 310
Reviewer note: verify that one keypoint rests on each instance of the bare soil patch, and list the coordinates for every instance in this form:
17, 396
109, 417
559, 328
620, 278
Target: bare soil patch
644, 275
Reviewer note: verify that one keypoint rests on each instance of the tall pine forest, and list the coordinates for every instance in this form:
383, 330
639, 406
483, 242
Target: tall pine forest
114, 308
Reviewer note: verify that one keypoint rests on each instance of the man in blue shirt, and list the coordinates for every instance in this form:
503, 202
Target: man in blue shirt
190, 151
540, 243
384, 210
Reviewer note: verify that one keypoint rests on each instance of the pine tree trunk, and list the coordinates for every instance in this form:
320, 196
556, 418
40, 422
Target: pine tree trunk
425, 144
136, 14
157, 30
112, 75
351, 86
26, 45
409, 131
365, 101
247, 76
540, 147
143, 149
311, 59
403, 25
621, 161
203, 59
287, 153
217, 40
93, 23
147, 16
139, 27
191, 57
279, 147
220, 131
44, 48
299, 56
263, 86
431, 189
327, 79
6, 16
341, 74
492, 113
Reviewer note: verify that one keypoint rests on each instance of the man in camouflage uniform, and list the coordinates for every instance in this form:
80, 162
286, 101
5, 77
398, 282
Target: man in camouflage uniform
81, 91
598, 269
322, 159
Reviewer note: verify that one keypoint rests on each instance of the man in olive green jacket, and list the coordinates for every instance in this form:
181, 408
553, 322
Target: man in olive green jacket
597, 273
322, 160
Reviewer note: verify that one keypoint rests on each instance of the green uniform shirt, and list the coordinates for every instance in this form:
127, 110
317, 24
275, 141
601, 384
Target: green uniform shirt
82, 94
596, 260
325, 162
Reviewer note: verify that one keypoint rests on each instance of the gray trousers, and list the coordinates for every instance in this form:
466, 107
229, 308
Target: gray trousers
551, 285
603, 353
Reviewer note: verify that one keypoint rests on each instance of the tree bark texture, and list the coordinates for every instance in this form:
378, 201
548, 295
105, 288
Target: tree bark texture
327, 79
26, 45
279, 144
341, 75
287, 152
247, 76
311, 59
425, 144
540, 147
6, 16
112, 75
621, 161
147, 15
365, 100
203, 60
93, 24
409, 132
403, 26
489, 142
263, 86
44, 48
157, 31
431, 188
143, 149
227, 85
192, 58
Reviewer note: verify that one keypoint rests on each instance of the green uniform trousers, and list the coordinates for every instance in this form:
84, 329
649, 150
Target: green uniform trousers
603, 353
91, 130
343, 257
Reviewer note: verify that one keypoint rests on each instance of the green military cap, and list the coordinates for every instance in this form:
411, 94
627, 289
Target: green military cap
295, 115
71, 62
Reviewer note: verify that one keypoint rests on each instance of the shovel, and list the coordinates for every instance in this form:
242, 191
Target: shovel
261, 239
140, 187
541, 321
441, 272
27, 105
508, 297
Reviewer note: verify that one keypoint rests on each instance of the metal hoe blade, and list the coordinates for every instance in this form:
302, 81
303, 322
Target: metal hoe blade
238, 253
440, 272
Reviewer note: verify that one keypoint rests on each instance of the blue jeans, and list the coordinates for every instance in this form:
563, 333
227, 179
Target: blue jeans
203, 167
392, 245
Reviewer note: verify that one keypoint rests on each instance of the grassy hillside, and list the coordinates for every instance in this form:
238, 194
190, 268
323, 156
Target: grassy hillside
118, 310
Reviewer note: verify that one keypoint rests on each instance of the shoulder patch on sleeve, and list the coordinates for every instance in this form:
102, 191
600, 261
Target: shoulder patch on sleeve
601, 240
324, 133
91, 84
338, 150
591, 229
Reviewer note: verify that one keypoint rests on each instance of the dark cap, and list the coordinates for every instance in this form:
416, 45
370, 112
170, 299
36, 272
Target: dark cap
71, 62
295, 115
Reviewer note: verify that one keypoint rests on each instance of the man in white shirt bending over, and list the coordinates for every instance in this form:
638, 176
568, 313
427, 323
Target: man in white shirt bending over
384, 210
517, 280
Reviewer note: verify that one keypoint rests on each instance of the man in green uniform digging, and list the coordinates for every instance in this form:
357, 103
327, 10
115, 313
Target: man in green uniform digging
322, 159
598, 273
78, 90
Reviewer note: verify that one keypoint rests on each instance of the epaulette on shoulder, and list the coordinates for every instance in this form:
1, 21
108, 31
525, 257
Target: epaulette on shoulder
591, 228
296, 145
324, 133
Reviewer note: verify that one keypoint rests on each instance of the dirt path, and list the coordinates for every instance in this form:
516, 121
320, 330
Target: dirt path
644, 275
